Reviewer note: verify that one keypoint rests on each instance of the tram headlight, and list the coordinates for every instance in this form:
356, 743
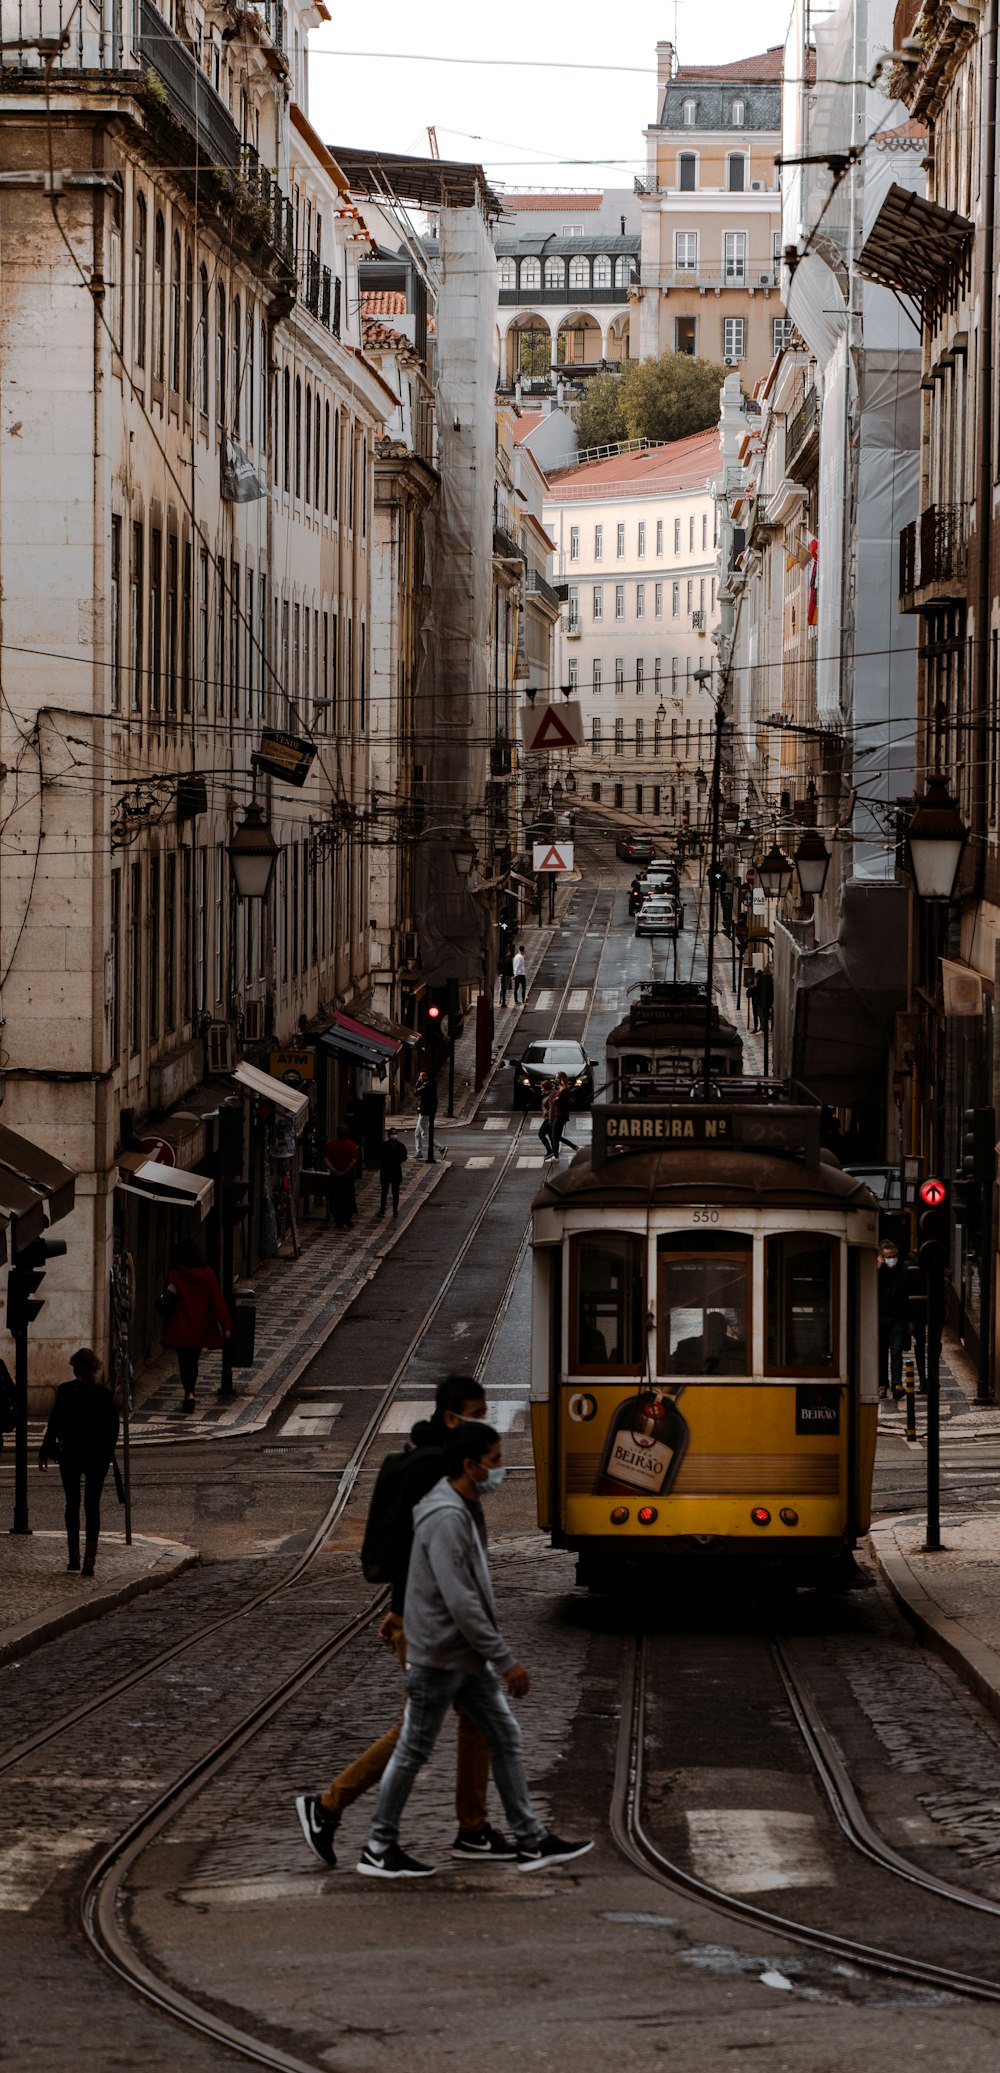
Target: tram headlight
619, 1515
760, 1515
788, 1515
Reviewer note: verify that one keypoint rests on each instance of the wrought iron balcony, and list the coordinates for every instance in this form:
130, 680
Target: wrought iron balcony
191, 97
565, 298
801, 428
543, 588
932, 552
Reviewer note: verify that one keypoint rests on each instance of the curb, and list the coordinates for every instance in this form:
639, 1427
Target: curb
973, 1660
262, 1418
34, 1633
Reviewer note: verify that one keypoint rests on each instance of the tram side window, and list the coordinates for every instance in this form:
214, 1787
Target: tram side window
800, 1303
609, 1306
705, 1303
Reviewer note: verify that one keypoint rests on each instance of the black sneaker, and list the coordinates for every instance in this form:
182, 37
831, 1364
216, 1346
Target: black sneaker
392, 1863
551, 1850
483, 1843
318, 1827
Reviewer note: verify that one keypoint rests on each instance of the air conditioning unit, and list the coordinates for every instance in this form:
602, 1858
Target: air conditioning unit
698, 621
220, 1048
573, 630
756, 186
253, 1022
766, 280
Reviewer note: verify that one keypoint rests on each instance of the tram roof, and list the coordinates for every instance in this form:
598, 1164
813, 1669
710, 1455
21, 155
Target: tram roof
740, 1179
675, 1029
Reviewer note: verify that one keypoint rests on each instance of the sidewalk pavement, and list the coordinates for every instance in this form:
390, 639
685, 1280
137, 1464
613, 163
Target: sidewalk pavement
41, 1599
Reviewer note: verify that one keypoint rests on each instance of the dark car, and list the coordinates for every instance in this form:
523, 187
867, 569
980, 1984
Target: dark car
636, 849
542, 1061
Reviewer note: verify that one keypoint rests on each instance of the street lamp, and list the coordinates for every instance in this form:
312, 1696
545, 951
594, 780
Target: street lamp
464, 853
745, 842
661, 711
570, 782
253, 853
775, 873
557, 794
812, 862
528, 807
936, 836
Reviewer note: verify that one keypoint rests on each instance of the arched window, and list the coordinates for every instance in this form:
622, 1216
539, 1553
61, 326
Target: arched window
115, 261
175, 311
579, 274
624, 269
203, 344
508, 276
689, 114
555, 273
316, 451
286, 431
309, 436
687, 172
531, 276
602, 271
220, 355
237, 350
738, 114
139, 281
188, 324
298, 436
159, 293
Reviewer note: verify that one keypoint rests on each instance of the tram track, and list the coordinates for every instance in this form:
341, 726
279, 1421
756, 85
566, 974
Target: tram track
632, 1838
101, 1906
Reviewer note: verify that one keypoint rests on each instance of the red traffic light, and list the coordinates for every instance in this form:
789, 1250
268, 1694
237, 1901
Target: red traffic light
433, 1014
933, 1193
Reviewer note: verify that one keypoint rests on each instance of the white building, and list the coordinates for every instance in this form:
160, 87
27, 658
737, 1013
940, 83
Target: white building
636, 545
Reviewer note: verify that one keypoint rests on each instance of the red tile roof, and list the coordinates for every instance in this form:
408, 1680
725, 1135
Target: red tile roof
679, 464
768, 65
383, 302
379, 337
526, 423
550, 203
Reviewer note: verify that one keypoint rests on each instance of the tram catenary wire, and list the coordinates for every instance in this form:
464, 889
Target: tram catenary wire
630, 1836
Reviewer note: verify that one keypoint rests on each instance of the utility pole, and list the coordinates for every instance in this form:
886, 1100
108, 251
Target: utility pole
713, 869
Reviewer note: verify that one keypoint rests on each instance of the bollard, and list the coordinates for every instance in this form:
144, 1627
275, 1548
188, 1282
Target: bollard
910, 1386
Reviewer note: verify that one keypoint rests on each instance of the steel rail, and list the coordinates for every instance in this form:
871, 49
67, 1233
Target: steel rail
632, 1840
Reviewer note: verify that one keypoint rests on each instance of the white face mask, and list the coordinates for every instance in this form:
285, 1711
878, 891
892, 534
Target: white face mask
494, 1478
894, 1262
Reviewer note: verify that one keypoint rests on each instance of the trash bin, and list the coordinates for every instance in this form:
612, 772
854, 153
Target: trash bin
243, 1334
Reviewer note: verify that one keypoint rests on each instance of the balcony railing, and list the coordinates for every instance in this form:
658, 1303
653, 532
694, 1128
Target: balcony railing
932, 550
800, 428
543, 588
752, 274
191, 97
564, 298
505, 547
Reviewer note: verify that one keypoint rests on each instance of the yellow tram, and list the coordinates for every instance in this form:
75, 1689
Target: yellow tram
704, 1340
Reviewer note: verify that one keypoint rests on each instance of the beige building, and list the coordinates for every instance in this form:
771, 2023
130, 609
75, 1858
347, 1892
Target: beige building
711, 215
636, 546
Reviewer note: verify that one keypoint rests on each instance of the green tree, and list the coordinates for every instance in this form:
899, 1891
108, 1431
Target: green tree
600, 419
668, 398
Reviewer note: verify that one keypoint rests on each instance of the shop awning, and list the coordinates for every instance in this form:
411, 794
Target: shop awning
383, 1025
27, 1161
267, 1088
914, 245
366, 1033
178, 1140
24, 1208
346, 1046
170, 1185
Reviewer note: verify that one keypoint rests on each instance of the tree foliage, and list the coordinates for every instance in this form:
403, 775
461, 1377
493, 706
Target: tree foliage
668, 398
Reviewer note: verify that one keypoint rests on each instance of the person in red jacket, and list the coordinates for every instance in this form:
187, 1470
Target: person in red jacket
199, 1317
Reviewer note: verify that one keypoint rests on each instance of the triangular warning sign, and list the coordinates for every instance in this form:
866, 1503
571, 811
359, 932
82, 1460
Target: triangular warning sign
553, 860
553, 732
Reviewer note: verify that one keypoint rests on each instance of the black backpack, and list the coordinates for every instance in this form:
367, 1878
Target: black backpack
389, 1526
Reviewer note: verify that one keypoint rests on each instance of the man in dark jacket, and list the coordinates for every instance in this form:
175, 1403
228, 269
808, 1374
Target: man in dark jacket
427, 1101
458, 1400
456, 1653
893, 1318
390, 1170
81, 1435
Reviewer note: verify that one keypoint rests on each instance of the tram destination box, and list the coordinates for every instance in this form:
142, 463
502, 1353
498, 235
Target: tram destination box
629, 1128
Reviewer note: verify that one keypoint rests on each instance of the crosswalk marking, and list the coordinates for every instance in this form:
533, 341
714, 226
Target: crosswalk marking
507, 1414
28, 1867
578, 1000
491, 1161
532, 1159
497, 1123
756, 1849
545, 998
312, 1421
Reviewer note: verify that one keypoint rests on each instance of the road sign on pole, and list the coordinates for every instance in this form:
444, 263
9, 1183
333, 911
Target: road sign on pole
546, 727
552, 856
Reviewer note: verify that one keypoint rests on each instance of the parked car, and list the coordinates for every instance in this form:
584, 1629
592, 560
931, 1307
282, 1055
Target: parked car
659, 916
542, 1061
636, 849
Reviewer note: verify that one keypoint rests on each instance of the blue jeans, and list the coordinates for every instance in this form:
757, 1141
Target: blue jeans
430, 1694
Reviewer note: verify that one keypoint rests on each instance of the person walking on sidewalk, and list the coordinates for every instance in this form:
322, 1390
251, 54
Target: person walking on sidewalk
427, 1101
340, 1157
520, 976
197, 1319
81, 1435
893, 1319
455, 1652
390, 1169
459, 1400
506, 975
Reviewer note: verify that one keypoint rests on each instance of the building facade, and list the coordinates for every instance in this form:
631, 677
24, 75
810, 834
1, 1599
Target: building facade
568, 268
709, 277
636, 547
185, 540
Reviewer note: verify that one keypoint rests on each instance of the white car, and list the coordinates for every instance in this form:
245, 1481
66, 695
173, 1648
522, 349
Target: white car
658, 916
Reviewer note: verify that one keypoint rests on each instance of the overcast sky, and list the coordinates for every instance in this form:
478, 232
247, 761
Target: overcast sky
539, 122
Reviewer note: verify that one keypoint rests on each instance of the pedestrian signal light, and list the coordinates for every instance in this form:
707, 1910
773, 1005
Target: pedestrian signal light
26, 1276
934, 1197
433, 1014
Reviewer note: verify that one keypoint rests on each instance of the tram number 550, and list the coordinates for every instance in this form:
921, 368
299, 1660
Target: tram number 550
704, 1216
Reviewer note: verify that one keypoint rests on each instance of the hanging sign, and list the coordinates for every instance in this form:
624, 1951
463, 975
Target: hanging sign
284, 755
551, 727
552, 856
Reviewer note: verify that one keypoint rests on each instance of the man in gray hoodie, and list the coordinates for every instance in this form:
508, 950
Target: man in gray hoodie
456, 1653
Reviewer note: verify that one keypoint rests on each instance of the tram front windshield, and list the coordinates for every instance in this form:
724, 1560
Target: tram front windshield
704, 1303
